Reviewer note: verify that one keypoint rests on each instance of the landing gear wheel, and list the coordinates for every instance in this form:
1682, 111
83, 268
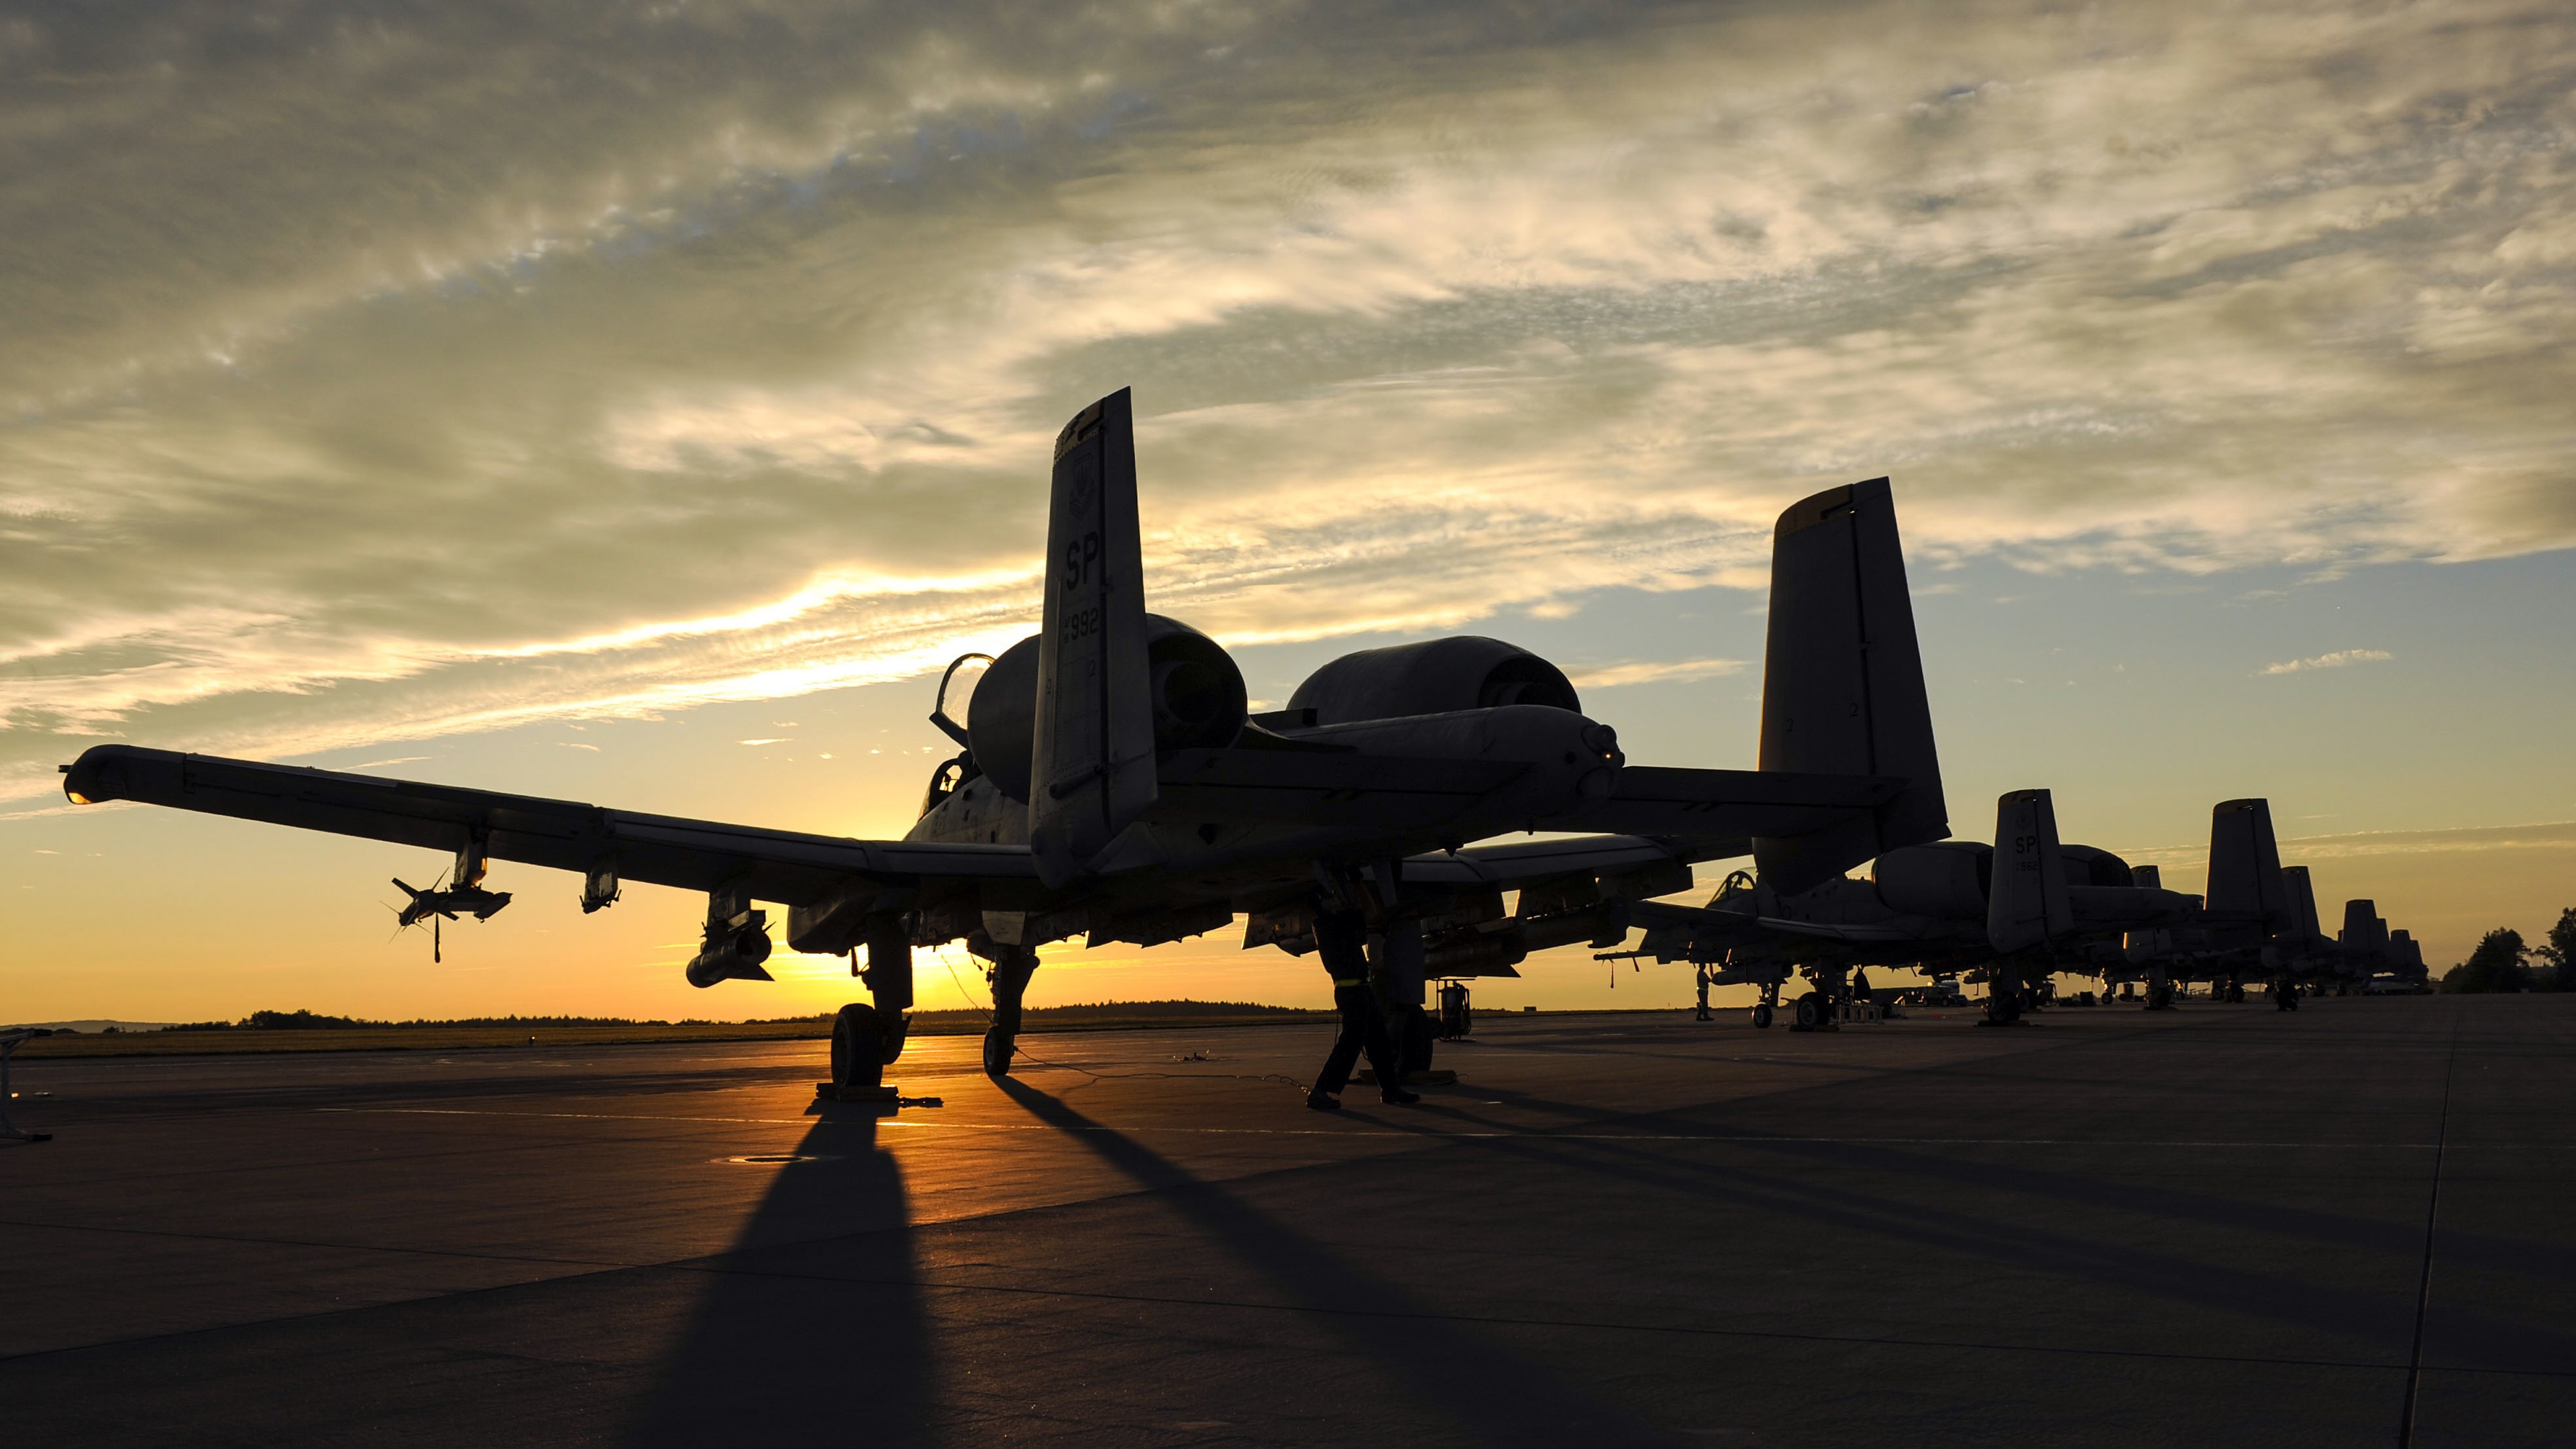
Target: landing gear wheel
2003, 1008
2159, 998
1811, 1012
999, 1047
858, 1047
1762, 1016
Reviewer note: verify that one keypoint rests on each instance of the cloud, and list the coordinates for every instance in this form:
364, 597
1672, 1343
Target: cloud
2300, 849
2336, 660
1611, 676
480, 365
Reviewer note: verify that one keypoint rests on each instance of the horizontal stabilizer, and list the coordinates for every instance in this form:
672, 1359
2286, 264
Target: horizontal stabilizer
1718, 809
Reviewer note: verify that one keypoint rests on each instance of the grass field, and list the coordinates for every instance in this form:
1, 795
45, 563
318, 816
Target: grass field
237, 1040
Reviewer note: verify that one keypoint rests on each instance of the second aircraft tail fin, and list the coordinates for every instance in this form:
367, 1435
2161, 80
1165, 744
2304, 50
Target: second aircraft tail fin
2303, 901
1092, 766
2245, 882
2027, 905
1842, 681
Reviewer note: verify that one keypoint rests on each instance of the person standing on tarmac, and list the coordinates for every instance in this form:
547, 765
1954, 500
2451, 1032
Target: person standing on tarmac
1341, 938
1703, 993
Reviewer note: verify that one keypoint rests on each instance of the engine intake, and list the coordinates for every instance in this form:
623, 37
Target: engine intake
1437, 676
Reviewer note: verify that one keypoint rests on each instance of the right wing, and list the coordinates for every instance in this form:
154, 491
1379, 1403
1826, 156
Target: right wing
771, 865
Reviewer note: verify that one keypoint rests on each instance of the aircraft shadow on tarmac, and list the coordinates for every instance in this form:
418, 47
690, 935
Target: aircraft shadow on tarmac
1493, 1395
812, 1323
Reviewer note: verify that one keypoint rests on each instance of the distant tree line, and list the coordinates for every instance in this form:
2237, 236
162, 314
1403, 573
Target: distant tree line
316, 1021
1089, 1011
2502, 962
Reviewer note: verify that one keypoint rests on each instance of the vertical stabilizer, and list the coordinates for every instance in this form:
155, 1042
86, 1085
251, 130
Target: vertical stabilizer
2028, 905
1092, 768
1842, 681
2245, 882
2303, 901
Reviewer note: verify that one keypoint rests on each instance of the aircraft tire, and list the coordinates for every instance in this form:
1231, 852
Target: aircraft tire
998, 1050
858, 1047
1810, 1012
1762, 1016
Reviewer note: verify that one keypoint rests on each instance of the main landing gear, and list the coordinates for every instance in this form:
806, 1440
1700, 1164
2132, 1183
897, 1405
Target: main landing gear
862, 1045
868, 1035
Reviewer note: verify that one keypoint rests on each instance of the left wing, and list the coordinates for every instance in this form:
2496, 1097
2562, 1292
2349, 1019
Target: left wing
772, 865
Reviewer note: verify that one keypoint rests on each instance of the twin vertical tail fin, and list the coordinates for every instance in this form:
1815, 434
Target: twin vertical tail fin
2247, 890
2027, 907
1842, 681
1092, 767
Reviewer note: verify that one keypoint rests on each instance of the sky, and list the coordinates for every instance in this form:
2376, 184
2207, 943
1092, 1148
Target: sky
639, 404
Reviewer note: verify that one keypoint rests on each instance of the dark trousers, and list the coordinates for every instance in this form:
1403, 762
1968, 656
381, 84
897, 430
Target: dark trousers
1362, 1027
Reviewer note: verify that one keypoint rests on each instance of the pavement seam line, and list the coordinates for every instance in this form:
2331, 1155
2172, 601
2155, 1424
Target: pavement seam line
2432, 1219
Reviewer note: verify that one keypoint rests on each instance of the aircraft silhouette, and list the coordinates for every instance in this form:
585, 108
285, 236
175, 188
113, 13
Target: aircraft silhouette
1113, 784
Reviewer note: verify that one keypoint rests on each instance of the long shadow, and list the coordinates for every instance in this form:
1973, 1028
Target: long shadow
1491, 1394
811, 1324
2298, 1224
2474, 1341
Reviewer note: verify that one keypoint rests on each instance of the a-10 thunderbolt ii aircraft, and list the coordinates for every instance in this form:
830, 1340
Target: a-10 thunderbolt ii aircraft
1113, 784
2025, 906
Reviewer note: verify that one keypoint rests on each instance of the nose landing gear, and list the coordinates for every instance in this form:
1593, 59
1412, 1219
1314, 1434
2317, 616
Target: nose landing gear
1012, 967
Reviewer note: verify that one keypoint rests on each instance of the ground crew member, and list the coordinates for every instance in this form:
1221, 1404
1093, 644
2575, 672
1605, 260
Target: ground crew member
1341, 938
1703, 993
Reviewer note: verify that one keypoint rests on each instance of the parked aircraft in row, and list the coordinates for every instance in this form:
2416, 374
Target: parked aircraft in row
2029, 908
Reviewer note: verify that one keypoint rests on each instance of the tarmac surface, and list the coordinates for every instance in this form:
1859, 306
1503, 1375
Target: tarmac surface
2219, 1225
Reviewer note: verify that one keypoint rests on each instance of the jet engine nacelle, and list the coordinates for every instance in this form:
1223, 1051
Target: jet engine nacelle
733, 955
1948, 879
1197, 689
2091, 865
1438, 676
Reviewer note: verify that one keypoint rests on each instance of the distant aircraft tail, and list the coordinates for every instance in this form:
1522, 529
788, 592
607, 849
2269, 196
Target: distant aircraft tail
1092, 768
1842, 681
2303, 901
2365, 931
2028, 904
2246, 887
